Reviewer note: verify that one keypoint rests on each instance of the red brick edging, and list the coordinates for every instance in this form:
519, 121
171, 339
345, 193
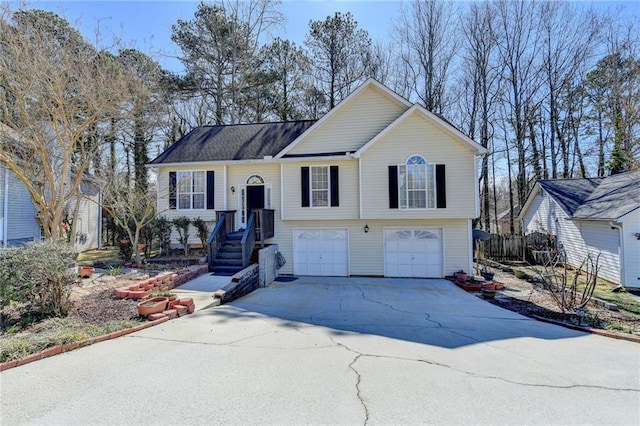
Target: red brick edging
58, 349
606, 333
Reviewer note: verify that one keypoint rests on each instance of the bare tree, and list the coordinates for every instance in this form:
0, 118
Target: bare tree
481, 87
426, 35
55, 89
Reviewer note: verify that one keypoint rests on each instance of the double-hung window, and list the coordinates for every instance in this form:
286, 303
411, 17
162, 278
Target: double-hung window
416, 184
191, 189
320, 186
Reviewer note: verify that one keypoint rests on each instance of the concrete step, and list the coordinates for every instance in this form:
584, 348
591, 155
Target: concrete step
229, 255
225, 270
227, 262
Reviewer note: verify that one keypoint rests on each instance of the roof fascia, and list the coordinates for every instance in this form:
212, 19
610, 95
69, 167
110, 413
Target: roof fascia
201, 164
478, 149
346, 101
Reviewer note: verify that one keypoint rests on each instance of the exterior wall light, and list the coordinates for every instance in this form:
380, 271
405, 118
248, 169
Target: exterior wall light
366, 229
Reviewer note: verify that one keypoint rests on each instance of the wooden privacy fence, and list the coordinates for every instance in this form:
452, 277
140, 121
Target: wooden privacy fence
517, 248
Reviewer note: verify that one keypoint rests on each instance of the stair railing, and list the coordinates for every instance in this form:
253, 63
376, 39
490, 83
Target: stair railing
216, 238
248, 240
264, 225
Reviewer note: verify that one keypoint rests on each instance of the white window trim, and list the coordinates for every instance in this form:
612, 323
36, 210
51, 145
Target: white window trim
192, 193
426, 190
328, 190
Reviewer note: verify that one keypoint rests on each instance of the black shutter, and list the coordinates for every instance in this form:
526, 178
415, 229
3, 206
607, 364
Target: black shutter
393, 187
335, 196
210, 189
304, 183
441, 187
172, 190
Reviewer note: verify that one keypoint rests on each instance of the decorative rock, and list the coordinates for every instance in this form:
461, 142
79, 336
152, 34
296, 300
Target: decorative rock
171, 313
182, 310
191, 309
156, 316
186, 301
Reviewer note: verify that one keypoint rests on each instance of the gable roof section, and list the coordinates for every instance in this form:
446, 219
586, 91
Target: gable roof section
607, 198
616, 196
430, 117
233, 142
370, 82
570, 193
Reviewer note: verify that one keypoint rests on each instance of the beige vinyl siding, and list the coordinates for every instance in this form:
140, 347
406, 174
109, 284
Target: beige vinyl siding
347, 187
356, 123
208, 215
88, 220
367, 249
416, 135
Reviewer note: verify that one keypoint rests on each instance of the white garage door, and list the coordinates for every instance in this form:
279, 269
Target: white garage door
413, 252
320, 252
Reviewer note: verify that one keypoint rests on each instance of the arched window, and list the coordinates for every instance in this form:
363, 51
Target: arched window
255, 180
416, 180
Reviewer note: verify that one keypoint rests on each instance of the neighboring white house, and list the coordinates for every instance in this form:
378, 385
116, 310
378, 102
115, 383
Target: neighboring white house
377, 186
600, 216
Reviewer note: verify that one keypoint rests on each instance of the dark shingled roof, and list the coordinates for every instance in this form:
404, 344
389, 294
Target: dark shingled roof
616, 196
570, 193
596, 198
233, 142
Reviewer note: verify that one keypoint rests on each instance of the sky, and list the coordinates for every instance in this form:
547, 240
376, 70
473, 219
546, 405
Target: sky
146, 25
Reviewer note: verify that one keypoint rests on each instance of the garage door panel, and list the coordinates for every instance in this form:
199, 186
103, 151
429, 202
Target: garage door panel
413, 252
321, 252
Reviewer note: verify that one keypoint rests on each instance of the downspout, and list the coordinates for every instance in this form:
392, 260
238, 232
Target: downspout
5, 209
618, 226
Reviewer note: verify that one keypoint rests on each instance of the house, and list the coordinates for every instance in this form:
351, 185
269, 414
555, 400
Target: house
600, 216
18, 216
18, 222
378, 186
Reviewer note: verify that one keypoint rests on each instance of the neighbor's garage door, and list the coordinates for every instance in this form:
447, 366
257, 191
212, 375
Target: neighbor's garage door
320, 252
413, 253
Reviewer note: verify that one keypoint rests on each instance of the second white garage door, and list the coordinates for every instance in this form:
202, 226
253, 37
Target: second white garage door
413, 252
320, 252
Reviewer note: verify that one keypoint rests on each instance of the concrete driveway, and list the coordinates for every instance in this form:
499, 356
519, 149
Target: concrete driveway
337, 351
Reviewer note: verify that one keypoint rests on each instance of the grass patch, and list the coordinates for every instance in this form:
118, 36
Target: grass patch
108, 255
52, 332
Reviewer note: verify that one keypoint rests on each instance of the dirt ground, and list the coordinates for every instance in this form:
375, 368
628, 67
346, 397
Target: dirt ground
94, 302
526, 298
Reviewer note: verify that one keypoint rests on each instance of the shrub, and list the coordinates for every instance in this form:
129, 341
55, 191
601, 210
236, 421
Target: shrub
162, 228
203, 231
182, 226
39, 276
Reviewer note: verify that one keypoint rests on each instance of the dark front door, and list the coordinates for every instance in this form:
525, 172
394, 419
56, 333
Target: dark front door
255, 198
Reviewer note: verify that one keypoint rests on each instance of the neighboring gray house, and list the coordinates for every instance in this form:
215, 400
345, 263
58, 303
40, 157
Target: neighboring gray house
593, 215
18, 222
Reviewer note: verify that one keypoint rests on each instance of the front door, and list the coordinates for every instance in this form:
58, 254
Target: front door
255, 199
